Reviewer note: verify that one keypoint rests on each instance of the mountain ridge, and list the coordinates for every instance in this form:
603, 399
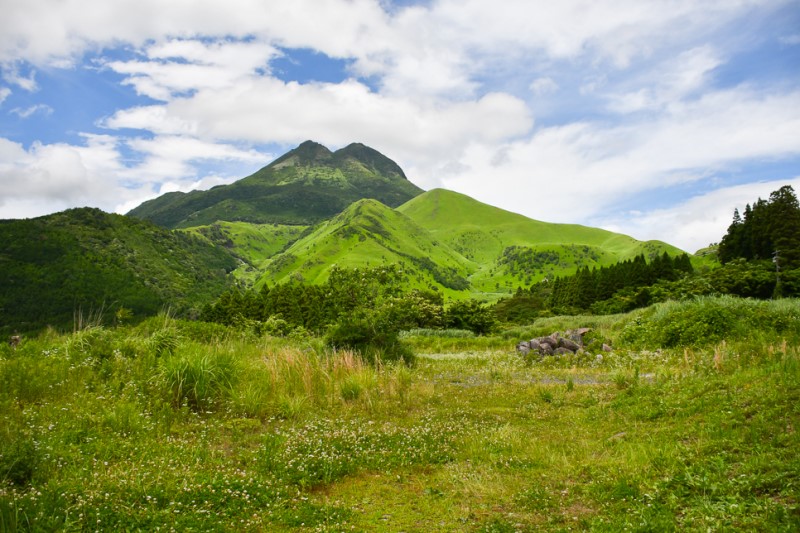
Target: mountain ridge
304, 186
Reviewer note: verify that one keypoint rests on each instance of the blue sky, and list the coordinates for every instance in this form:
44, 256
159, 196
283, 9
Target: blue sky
654, 118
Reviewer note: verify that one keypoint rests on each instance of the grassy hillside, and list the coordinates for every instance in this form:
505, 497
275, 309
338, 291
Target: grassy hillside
87, 260
369, 233
506, 244
252, 244
304, 186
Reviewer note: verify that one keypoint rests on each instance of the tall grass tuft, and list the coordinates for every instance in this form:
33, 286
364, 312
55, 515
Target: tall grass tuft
200, 378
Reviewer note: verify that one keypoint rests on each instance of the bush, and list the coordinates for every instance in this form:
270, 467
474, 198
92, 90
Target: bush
198, 379
708, 320
371, 336
471, 315
18, 461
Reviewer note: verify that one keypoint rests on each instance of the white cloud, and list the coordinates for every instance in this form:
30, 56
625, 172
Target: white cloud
543, 85
669, 82
264, 110
179, 66
47, 178
42, 109
791, 39
12, 75
698, 221
5, 92
578, 172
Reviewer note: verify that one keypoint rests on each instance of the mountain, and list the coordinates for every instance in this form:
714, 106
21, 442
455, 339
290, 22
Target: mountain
452, 242
305, 186
511, 249
368, 233
85, 260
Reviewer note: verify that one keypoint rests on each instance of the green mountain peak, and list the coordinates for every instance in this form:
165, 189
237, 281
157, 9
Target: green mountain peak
304, 186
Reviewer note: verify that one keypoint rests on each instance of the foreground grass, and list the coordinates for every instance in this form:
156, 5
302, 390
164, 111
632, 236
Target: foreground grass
176, 427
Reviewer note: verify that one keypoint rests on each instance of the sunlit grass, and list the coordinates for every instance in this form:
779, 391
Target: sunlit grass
106, 429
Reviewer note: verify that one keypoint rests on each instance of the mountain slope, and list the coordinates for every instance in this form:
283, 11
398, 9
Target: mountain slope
85, 260
302, 187
515, 250
369, 233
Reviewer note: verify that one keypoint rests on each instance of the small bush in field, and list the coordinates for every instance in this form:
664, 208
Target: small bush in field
350, 389
164, 342
370, 336
18, 461
197, 378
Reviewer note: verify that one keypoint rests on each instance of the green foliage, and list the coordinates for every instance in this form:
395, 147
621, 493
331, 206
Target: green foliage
198, 378
471, 315
660, 439
370, 335
707, 320
767, 227
19, 459
307, 185
85, 259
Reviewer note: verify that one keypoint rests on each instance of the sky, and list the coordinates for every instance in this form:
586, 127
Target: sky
653, 118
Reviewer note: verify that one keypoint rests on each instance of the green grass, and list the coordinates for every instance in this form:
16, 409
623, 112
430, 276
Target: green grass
369, 234
276, 435
481, 233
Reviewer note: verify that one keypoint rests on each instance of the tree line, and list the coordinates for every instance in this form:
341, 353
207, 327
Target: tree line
769, 230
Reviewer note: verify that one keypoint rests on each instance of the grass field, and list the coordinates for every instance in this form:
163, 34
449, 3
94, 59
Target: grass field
182, 426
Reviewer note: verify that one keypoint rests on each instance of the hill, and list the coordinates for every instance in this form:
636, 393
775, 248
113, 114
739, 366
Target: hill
369, 233
85, 260
305, 186
451, 242
511, 249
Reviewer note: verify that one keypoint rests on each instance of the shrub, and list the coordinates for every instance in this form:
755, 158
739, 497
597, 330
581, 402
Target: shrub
471, 315
708, 320
164, 342
371, 336
197, 378
18, 461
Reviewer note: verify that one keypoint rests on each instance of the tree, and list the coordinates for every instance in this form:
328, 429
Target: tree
472, 315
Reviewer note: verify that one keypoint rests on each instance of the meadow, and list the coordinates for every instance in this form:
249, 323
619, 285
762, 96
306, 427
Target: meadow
690, 423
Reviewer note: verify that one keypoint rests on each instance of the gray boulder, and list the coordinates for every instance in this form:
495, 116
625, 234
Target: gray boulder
570, 345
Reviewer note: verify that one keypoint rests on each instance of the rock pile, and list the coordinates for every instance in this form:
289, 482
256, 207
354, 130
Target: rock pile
570, 342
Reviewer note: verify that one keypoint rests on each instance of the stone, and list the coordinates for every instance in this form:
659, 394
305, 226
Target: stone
550, 341
570, 345
606, 347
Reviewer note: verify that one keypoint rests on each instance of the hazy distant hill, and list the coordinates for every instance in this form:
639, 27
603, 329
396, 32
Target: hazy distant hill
85, 259
304, 186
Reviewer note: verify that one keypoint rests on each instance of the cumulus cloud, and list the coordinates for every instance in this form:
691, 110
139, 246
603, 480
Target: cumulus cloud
639, 75
699, 221
576, 172
179, 66
263, 110
61, 175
